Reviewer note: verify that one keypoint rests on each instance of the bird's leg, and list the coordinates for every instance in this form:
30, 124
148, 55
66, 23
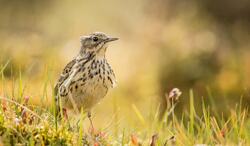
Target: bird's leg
65, 114
91, 123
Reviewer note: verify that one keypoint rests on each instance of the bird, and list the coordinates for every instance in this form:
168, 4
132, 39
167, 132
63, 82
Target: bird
88, 77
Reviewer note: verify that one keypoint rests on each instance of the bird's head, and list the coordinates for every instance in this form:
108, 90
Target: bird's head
96, 42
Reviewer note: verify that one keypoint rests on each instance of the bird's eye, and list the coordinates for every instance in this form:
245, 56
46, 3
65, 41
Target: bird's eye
95, 39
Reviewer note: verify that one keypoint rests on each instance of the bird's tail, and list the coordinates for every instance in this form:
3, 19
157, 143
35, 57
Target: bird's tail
58, 109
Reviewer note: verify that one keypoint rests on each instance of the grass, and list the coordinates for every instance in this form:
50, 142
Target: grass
24, 123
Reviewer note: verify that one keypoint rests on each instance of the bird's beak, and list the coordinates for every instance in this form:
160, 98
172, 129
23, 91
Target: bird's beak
110, 39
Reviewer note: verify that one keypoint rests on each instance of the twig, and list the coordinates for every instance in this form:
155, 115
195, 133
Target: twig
24, 107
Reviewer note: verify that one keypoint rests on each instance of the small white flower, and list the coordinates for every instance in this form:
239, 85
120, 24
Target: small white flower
17, 121
174, 94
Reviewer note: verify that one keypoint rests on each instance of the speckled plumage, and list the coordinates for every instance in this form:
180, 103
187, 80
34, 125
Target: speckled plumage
88, 77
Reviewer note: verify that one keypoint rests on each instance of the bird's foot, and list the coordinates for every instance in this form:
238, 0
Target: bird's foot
92, 130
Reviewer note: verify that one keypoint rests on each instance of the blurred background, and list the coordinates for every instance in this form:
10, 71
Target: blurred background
201, 45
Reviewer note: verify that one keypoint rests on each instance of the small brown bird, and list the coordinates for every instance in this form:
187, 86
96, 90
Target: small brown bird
87, 78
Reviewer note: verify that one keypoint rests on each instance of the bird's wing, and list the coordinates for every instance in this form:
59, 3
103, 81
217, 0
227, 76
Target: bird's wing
64, 75
69, 70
